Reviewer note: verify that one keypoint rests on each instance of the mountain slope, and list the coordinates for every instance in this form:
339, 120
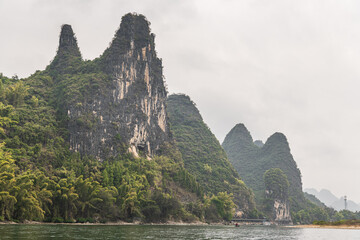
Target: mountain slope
253, 160
324, 195
202, 153
312, 198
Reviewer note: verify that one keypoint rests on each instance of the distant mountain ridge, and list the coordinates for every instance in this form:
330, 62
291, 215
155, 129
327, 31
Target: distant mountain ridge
253, 159
330, 200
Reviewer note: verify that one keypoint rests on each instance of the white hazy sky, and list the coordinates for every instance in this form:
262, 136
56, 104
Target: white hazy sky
285, 66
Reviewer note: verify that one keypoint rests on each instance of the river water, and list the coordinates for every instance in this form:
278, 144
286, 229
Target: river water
35, 232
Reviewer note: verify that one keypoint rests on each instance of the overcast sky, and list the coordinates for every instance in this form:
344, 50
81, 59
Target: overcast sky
285, 66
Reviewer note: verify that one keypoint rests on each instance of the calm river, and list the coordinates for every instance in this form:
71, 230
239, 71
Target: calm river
34, 232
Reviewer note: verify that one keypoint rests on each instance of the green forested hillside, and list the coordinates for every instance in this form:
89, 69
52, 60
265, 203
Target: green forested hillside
314, 200
43, 178
40, 179
202, 153
252, 161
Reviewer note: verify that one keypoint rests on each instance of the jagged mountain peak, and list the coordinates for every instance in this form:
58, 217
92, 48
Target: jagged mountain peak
278, 136
187, 106
277, 139
239, 134
68, 53
133, 34
68, 42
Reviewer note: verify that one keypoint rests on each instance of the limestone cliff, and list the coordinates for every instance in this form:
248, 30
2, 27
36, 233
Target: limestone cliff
281, 211
121, 96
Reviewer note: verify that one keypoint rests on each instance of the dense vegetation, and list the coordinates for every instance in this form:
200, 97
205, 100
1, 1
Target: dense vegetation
202, 153
352, 222
41, 179
252, 161
276, 184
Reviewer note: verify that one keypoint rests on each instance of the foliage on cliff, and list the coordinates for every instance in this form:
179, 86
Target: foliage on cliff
202, 153
276, 184
40, 179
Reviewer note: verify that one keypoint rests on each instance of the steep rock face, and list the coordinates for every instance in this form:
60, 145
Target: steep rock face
202, 153
281, 211
126, 107
251, 162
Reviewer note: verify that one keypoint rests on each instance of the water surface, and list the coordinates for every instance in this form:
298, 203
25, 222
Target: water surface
34, 232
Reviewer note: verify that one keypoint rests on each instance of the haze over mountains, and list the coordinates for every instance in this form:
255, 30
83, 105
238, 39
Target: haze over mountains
300, 76
331, 200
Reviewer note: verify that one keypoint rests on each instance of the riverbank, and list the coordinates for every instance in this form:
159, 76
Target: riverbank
112, 223
326, 226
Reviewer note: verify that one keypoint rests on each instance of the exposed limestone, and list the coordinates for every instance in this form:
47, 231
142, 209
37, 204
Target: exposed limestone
132, 110
282, 211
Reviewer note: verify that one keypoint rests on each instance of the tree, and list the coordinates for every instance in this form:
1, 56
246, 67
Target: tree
66, 199
224, 205
7, 180
276, 184
88, 192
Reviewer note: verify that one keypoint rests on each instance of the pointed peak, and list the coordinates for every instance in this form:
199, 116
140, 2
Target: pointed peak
239, 133
277, 139
243, 131
68, 52
280, 137
189, 109
67, 41
136, 22
240, 127
133, 34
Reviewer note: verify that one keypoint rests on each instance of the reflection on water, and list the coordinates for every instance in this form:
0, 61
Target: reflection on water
35, 232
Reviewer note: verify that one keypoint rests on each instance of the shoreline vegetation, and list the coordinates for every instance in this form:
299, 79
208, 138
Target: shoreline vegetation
109, 223
328, 225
